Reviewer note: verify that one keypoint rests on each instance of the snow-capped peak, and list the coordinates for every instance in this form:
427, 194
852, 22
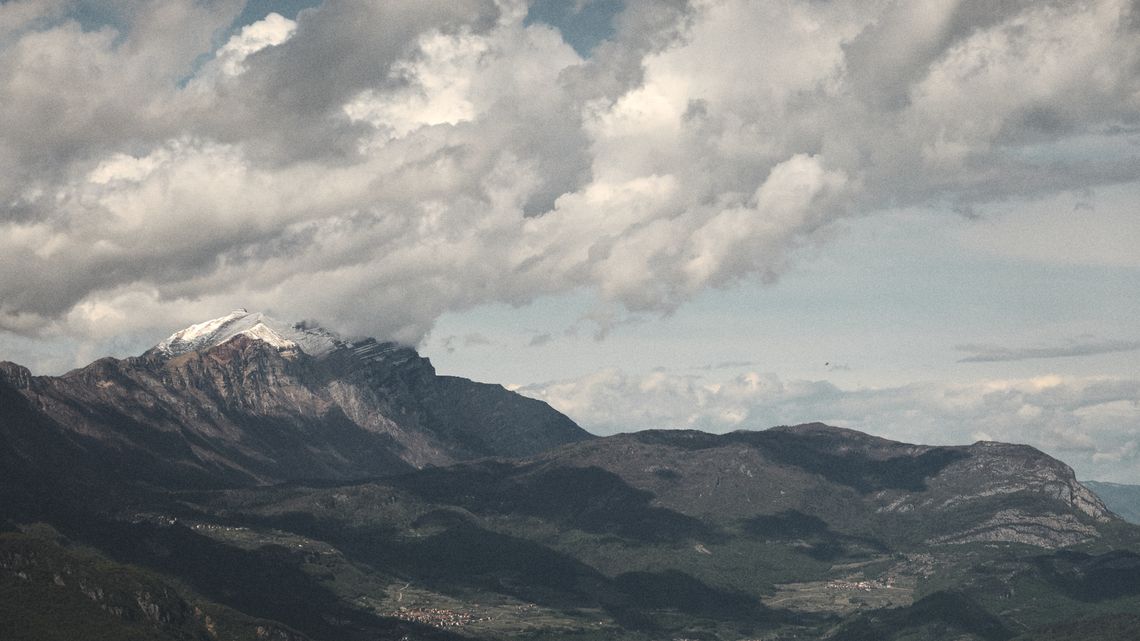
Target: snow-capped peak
283, 336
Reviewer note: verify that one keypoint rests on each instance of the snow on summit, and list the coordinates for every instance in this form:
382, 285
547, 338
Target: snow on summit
312, 341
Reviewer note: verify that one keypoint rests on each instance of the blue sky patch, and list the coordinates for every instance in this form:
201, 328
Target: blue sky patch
584, 24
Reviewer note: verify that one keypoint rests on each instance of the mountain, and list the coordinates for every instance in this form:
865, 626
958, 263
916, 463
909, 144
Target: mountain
245, 400
906, 494
314, 341
807, 532
1120, 498
249, 479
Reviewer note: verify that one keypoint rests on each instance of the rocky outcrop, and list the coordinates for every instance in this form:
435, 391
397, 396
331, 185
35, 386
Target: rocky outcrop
1019, 526
1055, 510
15, 376
1008, 469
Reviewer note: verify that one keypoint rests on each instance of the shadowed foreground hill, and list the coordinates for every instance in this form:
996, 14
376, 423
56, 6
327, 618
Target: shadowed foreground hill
795, 532
807, 532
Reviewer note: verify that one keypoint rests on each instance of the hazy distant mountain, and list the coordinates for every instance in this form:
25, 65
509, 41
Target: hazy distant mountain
1120, 498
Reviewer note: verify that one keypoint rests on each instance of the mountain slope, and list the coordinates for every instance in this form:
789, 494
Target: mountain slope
291, 484
807, 532
785, 533
982, 492
1120, 498
246, 400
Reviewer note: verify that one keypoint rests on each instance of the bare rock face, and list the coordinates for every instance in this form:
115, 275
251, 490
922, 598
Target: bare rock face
1018, 526
16, 376
1064, 511
1020, 468
257, 408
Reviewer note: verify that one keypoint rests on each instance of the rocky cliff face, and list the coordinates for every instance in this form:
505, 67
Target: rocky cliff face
1019, 468
992, 471
15, 376
256, 409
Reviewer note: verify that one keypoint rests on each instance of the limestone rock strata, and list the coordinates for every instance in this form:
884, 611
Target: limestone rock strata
248, 411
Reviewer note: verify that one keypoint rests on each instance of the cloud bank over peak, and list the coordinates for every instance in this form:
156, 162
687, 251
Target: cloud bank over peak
379, 164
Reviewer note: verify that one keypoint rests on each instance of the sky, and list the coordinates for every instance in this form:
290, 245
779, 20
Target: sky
914, 219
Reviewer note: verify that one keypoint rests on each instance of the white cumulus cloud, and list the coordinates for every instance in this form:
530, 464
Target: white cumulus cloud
376, 165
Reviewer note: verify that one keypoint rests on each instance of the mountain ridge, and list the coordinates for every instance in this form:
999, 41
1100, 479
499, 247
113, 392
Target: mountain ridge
244, 408
313, 340
890, 478
241, 478
660, 530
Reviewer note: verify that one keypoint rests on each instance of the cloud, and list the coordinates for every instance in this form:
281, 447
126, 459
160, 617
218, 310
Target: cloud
1081, 228
1090, 423
539, 340
725, 365
71, 95
270, 31
476, 340
997, 353
376, 165
450, 343
1126, 452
